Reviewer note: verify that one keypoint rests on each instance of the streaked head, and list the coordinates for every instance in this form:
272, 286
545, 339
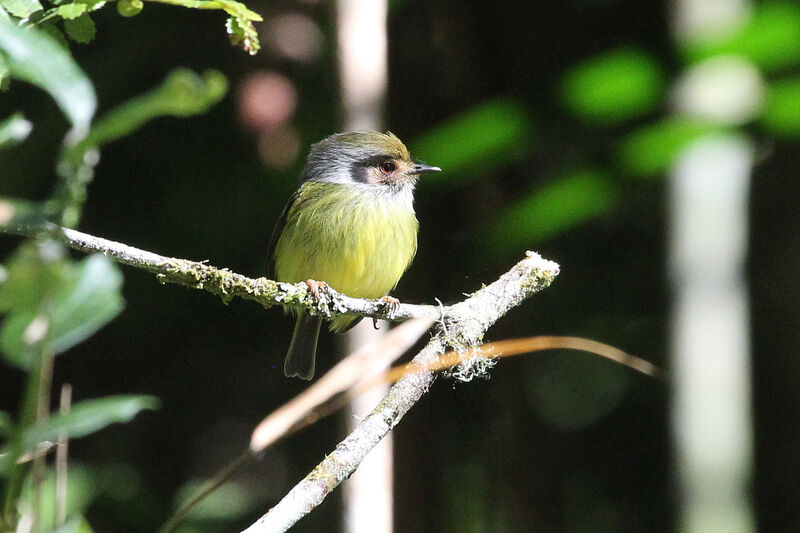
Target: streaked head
365, 157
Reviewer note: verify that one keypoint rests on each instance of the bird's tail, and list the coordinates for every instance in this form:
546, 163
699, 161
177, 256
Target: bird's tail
303, 348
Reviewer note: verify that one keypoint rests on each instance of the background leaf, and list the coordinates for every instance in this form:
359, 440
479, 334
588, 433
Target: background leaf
21, 8
781, 115
491, 134
81, 29
649, 150
6, 425
87, 305
182, 94
14, 130
88, 417
571, 199
36, 58
614, 86
770, 38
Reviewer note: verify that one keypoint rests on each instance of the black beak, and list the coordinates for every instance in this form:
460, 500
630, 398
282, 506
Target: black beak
421, 169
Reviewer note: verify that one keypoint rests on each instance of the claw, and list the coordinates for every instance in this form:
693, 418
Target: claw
315, 287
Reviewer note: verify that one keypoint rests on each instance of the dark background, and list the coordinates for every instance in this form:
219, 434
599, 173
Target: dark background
551, 442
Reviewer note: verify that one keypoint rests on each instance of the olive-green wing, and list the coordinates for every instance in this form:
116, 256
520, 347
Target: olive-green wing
276, 234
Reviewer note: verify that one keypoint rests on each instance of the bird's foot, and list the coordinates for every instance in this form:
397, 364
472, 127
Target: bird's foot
316, 287
389, 305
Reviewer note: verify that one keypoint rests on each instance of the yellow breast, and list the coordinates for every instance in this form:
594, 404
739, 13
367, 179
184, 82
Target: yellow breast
358, 242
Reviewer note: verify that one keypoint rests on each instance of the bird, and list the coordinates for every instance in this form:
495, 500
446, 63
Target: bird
351, 226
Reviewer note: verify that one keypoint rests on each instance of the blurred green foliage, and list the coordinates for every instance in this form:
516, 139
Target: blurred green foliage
14, 130
87, 417
78, 25
781, 115
183, 93
572, 390
49, 302
770, 38
569, 199
475, 141
649, 150
36, 58
614, 86
67, 300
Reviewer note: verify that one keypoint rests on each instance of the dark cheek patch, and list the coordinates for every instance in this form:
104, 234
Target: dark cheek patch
360, 173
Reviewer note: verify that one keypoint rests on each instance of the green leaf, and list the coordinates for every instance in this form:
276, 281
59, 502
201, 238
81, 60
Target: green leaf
129, 8
71, 11
6, 425
77, 524
182, 94
770, 38
650, 150
781, 113
55, 304
88, 417
35, 57
569, 200
5, 72
81, 30
17, 339
613, 87
81, 491
21, 8
14, 130
490, 135
14, 212
83, 308
35, 269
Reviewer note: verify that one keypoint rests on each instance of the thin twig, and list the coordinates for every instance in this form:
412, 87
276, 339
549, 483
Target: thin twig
62, 451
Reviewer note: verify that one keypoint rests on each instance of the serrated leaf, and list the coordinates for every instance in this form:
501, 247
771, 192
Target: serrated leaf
240, 25
87, 417
14, 130
82, 309
34, 57
614, 86
81, 29
21, 8
71, 11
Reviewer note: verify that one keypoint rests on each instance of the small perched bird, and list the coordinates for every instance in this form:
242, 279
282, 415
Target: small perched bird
351, 225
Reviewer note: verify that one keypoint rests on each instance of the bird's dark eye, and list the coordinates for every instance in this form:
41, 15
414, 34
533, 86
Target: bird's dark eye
387, 167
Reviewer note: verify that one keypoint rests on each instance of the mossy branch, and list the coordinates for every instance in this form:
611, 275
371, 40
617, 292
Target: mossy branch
222, 281
460, 326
